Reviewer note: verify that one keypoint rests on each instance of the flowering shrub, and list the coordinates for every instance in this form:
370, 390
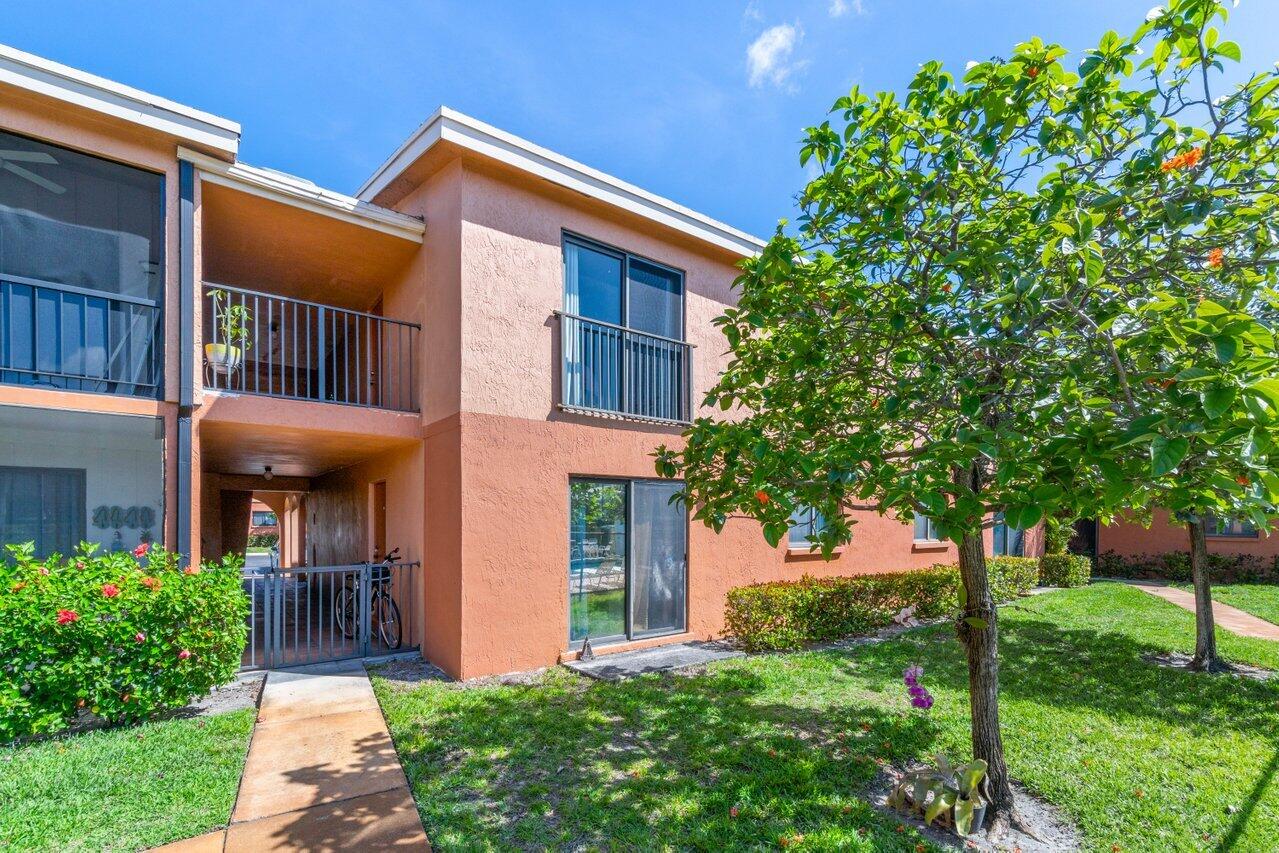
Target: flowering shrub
120, 635
1064, 570
792, 614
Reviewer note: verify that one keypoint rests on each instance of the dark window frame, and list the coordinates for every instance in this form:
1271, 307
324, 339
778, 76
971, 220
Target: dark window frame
80, 475
1247, 530
626, 257
628, 634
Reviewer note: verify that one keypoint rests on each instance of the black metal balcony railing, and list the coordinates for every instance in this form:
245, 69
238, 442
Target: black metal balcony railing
308, 351
611, 369
78, 339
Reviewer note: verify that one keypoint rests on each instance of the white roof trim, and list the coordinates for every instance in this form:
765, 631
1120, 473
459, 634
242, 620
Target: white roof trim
52, 79
474, 135
299, 192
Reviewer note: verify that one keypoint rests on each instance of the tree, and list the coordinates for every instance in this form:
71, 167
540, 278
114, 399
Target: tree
1165, 192
942, 337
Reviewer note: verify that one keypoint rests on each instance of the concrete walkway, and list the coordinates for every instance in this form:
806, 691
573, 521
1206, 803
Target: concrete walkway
322, 773
1231, 618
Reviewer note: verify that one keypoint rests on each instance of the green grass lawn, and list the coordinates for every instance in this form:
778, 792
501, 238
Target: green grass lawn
1137, 755
1261, 600
125, 788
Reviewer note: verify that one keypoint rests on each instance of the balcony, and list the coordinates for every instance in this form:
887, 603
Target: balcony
302, 350
78, 339
615, 371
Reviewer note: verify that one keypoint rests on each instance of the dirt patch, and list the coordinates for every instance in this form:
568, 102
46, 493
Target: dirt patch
244, 692
1177, 660
1052, 831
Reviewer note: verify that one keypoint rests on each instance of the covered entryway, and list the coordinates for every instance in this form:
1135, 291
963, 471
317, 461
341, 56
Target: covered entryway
344, 501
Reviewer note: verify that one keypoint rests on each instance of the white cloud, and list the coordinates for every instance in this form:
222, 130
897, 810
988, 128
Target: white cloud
840, 8
752, 12
769, 57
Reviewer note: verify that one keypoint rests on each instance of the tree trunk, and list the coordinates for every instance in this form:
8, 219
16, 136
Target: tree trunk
982, 645
1206, 658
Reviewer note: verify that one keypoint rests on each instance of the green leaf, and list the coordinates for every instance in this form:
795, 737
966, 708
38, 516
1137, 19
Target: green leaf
964, 817
1226, 346
976, 621
1268, 388
1217, 401
1230, 50
1166, 453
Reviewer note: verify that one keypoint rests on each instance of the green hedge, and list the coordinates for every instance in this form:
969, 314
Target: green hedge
263, 540
122, 635
1064, 570
1175, 566
792, 614
1012, 577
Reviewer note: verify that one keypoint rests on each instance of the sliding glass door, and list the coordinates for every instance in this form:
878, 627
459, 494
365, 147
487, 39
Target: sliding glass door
628, 559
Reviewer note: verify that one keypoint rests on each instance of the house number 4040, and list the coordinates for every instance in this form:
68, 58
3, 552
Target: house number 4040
107, 517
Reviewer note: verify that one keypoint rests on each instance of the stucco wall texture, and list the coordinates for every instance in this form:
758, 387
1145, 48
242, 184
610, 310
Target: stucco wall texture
506, 609
1164, 535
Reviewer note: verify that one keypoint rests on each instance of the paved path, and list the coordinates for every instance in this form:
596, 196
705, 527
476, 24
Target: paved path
1231, 618
322, 773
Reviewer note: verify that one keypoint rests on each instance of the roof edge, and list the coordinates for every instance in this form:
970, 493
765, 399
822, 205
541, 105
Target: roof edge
71, 85
299, 192
486, 140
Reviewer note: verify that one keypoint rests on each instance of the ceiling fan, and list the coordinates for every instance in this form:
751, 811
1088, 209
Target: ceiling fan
9, 161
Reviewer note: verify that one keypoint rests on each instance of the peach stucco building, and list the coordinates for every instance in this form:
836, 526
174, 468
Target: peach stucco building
471, 360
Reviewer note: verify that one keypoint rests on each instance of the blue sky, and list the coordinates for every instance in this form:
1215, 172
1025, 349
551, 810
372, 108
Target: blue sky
703, 102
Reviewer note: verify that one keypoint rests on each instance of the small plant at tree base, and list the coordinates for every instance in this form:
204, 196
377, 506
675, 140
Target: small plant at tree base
946, 789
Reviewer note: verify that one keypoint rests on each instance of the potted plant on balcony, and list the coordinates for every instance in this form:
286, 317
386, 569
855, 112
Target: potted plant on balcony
232, 324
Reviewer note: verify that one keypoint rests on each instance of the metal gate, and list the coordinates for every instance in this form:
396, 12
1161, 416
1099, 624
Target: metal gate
313, 614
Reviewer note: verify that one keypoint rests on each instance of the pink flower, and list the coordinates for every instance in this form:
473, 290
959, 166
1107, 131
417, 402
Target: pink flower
66, 617
151, 583
44, 571
184, 654
79, 564
110, 590
141, 550
191, 570
139, 637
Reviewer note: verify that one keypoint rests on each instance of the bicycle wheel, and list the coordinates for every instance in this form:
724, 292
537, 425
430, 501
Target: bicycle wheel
344, 610
387, 613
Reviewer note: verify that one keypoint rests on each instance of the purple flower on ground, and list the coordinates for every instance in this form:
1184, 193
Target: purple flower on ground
919, 695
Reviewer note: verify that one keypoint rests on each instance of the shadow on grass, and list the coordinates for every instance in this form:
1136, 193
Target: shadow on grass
651, 762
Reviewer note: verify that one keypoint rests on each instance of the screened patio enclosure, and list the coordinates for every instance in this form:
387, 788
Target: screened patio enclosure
81, 270
67, 477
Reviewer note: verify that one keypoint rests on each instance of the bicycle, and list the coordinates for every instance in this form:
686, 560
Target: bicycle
382, 607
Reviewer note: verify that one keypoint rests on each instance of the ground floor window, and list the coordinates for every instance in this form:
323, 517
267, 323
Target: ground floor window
68, 477
628, 559
1009, 541
1236, 527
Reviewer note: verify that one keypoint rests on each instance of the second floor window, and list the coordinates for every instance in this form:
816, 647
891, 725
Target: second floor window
623, 334
612, 286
